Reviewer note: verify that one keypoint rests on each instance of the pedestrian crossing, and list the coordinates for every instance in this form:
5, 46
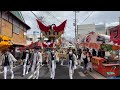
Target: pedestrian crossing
82, 74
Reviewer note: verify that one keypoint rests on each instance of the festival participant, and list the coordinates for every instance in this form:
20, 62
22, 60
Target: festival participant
27, 62
31, 58
89, 57
79, 56
36, 62
71, 58
52, 63
56, 55
94, 53
84, 60
8, 60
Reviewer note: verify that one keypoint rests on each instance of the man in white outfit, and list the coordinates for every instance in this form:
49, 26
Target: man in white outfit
37, 62
52, 64
71, 58
26, 64
8, 60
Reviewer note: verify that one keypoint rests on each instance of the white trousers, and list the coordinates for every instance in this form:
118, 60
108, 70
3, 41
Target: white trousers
62, 62
52, 69
33, 68
5, 72
71, 70
26, 69
79, 62
38, 70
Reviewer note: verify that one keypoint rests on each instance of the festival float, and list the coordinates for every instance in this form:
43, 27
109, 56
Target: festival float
98, 41
53, 33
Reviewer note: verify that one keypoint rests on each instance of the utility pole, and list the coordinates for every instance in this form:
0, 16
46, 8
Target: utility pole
75, 23
41, 19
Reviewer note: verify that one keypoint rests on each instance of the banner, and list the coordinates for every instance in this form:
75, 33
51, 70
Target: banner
115, 34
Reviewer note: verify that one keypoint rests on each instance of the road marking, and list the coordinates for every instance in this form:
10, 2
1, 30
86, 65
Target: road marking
96, 75
13, 68
34, 74
82, 74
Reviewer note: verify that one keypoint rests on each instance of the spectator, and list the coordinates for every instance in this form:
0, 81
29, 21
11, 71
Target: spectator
84, 60
89, 57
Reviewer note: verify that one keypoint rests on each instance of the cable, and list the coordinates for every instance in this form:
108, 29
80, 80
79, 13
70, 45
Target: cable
87, 17
36, 16
55, 18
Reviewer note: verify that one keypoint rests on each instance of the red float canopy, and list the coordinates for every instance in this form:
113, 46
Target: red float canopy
31, 45
38, 44
60, 27
44, 28
51, 45
44, 45
23, 48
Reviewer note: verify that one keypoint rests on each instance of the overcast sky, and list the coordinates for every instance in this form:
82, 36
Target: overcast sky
110, 18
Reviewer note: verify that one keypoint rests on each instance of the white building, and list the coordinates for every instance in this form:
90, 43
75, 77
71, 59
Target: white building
100, 29
32, 38
85, 29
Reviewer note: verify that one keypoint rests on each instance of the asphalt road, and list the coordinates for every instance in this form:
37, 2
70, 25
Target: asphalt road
62, 72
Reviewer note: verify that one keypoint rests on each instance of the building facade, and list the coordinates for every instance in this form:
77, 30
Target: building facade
100, 29
32, 38
85, 29
13, 25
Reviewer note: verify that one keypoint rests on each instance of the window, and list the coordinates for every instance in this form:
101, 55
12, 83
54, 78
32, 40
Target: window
5, 15
21, 26
10, 19
16, 22
24, 29
15, 29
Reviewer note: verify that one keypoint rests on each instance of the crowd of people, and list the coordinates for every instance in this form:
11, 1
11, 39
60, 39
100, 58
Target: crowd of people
32, 60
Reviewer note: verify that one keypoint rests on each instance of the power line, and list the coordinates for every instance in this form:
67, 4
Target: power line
56, 18
87, 17
36, 16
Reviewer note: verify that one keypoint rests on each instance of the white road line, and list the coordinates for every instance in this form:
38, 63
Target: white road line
82, 74
13, 68
96, 75
34, 74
